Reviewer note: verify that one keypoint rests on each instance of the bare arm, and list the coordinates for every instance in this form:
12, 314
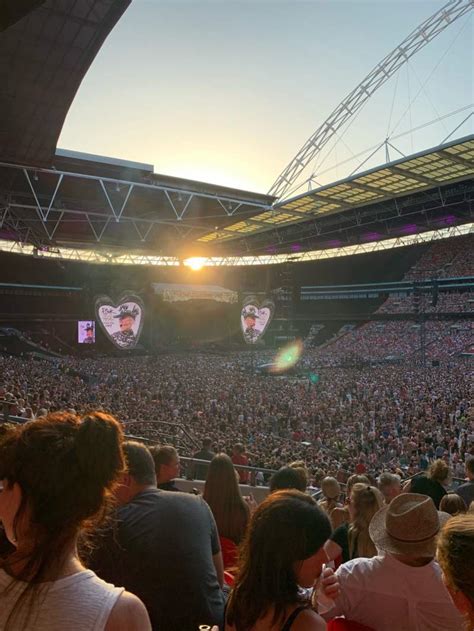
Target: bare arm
128, 614
219, 565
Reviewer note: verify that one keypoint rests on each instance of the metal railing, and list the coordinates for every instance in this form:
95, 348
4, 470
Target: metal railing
191, 462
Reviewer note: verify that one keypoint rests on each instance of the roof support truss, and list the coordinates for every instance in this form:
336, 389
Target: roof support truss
113, 205
418, 39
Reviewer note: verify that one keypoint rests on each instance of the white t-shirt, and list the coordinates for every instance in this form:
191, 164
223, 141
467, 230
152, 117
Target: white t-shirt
387, 595
80, 602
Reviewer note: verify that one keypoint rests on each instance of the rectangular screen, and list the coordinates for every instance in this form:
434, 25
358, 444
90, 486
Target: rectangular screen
86, 331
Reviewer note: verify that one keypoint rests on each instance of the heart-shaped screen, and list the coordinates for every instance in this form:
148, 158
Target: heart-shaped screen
122, 322
255, 318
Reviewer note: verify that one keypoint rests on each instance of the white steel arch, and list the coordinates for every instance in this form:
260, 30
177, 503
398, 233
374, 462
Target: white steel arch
418, 39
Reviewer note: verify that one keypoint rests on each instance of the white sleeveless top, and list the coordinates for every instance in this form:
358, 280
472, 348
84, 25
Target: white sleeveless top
80, 602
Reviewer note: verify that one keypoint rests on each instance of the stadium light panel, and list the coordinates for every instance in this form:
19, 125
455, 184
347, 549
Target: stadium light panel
112, 258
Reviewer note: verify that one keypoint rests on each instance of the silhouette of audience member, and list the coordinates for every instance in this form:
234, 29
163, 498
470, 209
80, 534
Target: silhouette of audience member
165, 548
455, 555
402, 587
57, 474
282, 552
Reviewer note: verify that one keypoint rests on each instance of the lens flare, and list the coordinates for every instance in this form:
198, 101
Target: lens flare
195, 263
288, 356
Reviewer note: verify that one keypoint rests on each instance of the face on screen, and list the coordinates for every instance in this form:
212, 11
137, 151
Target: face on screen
86, 332
126, 324
250, 323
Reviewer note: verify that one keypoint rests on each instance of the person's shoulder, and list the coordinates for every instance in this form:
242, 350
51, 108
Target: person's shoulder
308, 620
141, 502
466, 486
360, 565
128, 614
177, 498
343, 529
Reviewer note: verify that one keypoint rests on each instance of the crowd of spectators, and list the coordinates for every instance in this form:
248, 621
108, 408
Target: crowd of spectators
374, 340
395, 417
377, 340
454, 302
157, 564
399, 547
449, 258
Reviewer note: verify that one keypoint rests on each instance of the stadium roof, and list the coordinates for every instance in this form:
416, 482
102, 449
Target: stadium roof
427, 170
53, 199
88, 201
46, 48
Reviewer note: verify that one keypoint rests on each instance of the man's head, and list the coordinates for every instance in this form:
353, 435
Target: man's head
126, 322
300, 467
166, 461
407, 527
89, 332
250, 322
390, 485
287, 478
250, 317
140, 472
239, 449
207, 443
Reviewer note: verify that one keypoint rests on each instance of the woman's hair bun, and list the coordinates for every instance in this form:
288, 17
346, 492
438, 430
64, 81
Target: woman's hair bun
99, 448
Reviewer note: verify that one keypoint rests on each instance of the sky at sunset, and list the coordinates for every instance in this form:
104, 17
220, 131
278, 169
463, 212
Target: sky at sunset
227, 92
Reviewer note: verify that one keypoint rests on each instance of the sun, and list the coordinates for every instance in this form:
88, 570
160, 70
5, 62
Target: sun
195, 263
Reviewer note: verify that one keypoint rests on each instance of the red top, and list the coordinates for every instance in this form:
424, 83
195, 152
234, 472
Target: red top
241, 459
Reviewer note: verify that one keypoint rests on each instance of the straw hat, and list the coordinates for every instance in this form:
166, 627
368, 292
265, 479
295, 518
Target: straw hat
408, 525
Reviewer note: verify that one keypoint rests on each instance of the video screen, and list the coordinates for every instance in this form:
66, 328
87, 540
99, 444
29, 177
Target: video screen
86, 331
255, 318
122, 323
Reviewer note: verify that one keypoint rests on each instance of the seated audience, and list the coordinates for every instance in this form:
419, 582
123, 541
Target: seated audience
452, 504
455, 553
466, 490
402, 588
389, 485
287, 478
167, 466
230, 510
282, 551
56, 475
352, 540
165, 548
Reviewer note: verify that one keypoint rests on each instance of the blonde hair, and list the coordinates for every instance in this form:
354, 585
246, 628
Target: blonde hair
354, 479
438, 470
455, 554
366, 500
